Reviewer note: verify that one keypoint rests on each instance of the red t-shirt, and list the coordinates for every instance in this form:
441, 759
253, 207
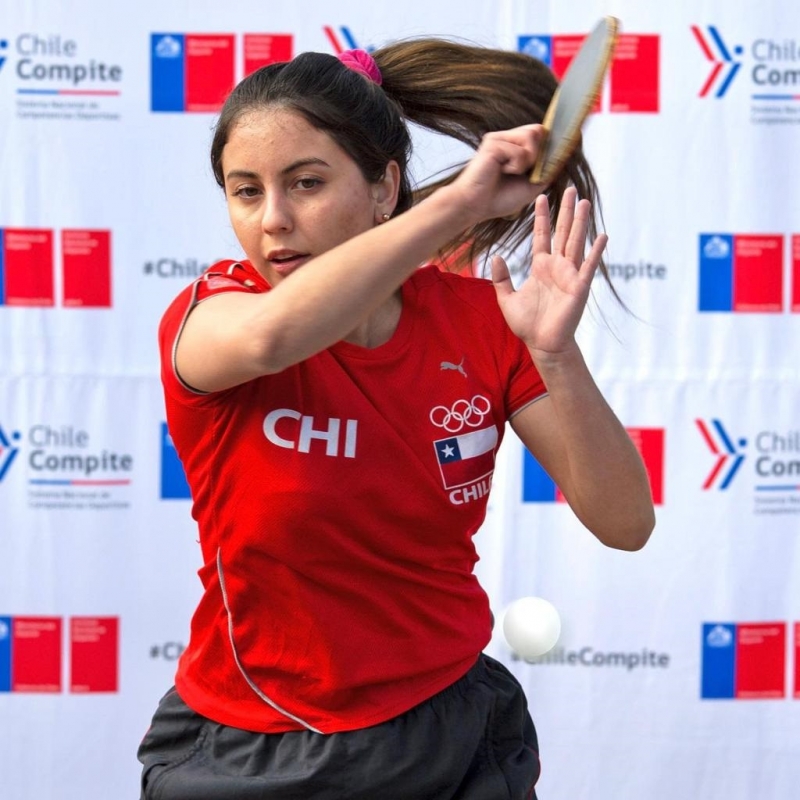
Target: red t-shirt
336, 503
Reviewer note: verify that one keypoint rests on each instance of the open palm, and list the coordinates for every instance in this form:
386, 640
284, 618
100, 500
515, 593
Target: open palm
545, 311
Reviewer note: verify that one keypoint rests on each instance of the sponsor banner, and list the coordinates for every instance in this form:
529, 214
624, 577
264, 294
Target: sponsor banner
62, 77
633, 74
729, 456
262, 49
795, 274
744, 661
760, 72
766, 462
65, 467
634, 78
341, 38
592, 657
741, 272
86, 256
634, 270
27, 271
31, 654
167, 651
26, 267
797, 661
195, 72
94, 654
8, 450
191, 72
186, 269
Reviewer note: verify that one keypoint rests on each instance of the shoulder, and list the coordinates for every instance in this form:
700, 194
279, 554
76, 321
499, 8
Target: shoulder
229, 276
219, 278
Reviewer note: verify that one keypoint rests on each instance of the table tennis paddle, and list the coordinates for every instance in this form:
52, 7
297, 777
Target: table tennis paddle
574, 98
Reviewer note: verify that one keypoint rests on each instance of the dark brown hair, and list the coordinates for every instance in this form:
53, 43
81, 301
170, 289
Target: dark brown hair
462, 91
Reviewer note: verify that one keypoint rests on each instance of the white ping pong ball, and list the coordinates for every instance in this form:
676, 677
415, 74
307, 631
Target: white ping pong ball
531, 626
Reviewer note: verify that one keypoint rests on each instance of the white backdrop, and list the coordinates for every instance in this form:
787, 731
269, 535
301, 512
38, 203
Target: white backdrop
678, 670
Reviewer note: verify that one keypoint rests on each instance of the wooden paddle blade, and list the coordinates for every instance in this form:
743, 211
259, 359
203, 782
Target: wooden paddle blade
575, 97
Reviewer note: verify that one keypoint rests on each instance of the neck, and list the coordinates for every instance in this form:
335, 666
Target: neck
380, 326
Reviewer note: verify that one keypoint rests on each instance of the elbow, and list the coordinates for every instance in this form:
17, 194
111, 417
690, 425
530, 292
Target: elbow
630, 534
266, 351
634, 541
634, 535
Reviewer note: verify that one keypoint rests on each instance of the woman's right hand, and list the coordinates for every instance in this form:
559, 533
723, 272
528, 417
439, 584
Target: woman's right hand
495, 183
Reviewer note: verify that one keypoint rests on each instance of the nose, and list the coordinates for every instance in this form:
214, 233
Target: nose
276, 216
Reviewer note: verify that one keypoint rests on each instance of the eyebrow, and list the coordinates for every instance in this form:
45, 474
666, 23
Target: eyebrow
301, 162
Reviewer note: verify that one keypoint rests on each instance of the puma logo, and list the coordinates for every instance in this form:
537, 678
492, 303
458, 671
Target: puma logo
457, 367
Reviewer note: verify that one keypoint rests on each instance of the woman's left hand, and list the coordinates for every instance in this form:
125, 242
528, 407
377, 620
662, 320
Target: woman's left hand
545, 311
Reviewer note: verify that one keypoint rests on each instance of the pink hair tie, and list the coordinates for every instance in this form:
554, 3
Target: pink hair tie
362, 62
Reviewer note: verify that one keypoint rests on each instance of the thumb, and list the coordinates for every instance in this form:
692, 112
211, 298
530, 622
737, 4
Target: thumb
501, 278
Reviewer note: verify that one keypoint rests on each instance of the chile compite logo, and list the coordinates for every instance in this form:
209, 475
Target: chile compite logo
3, 47
346, 42
729, 458
724, 66
8, 452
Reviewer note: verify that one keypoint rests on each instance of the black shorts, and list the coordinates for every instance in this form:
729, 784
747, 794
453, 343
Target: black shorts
473, 741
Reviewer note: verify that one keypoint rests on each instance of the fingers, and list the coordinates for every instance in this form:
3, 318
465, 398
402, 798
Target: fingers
566, 216
572, 227
501, 277
541, 225
576, 240
515, 150
589, 266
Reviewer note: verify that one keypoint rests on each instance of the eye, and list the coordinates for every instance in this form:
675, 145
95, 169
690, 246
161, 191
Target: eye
245, 192
307, 183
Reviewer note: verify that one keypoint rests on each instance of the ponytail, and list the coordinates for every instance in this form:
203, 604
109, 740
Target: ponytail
466, 91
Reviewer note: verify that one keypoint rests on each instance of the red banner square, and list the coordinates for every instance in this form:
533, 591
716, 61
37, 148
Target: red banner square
796, 273
28, 267
757, 273
564, 49
36, 654
210, 68
634, 74
94, 654
86, 259
650, 444
797, 661
261, 49
761, 660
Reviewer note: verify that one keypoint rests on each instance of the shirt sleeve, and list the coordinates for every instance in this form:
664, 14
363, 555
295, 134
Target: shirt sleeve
223, 277
524, 384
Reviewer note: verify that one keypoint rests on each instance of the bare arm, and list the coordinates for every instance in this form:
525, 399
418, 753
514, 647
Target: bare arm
580, 442
573, 432
233, 338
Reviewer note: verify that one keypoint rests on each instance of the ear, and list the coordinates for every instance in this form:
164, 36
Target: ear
385, 191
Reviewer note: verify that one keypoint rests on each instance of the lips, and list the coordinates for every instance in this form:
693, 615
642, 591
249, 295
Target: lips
286, 261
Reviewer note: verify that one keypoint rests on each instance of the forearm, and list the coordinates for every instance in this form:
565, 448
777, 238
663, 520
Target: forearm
327, 299
604, 479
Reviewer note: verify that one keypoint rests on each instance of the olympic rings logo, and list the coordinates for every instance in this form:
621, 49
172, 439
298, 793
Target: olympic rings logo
469, 413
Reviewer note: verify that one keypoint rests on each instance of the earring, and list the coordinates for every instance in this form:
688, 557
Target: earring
386, 217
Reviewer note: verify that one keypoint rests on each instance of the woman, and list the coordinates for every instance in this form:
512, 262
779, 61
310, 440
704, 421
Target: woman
337, 410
